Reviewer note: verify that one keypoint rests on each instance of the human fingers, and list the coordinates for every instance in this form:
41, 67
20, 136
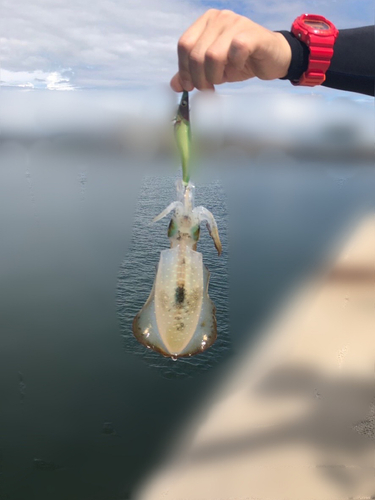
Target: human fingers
223, 46
198, 56
185, 45
210, 53
231, 74
176, 84
241, 47
217, 57
193, 45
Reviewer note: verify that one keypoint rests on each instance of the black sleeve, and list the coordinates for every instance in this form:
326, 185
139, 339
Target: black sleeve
353, 63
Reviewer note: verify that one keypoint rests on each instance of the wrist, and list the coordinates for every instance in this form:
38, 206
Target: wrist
283, 55
299, 57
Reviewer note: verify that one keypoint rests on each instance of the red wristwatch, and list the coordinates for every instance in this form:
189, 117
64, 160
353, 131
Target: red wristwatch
319, 35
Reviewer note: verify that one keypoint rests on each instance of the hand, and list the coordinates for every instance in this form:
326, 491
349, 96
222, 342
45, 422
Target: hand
222, 46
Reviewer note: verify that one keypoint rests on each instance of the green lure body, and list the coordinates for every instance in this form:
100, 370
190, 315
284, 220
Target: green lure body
183, 136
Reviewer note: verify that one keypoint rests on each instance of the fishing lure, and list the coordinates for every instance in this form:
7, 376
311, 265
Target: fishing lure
182, 133
178, 318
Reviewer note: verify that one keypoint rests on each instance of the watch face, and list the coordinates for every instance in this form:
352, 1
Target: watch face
317, 25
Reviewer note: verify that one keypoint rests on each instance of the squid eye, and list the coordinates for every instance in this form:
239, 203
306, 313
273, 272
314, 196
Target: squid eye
183, 104
195, 232
172, 229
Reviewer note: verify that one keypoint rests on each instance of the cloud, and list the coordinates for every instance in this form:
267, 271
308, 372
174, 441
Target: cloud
106, 44
125, 44
36, 80
279, 14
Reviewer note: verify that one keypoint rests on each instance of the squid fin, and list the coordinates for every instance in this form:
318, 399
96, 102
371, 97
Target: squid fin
145, 328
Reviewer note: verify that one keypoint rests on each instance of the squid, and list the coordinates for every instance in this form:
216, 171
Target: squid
178, 318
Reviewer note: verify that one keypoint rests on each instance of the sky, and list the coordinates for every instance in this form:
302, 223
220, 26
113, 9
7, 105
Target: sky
65, 45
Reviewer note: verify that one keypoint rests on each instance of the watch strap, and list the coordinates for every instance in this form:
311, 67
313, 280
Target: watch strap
321, 52
300, 56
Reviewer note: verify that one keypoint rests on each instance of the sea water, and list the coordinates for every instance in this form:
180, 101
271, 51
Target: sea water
85, 411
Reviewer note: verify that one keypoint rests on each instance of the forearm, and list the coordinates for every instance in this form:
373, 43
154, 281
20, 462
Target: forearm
353, 63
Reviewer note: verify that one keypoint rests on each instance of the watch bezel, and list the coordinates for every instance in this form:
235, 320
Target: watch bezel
300, 23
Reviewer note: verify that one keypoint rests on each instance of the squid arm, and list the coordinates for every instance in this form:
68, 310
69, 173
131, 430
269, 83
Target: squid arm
206, 216
170, 207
